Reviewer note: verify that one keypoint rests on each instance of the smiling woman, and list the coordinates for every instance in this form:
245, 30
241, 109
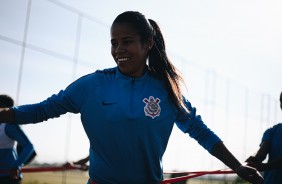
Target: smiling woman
133, 41
128, 111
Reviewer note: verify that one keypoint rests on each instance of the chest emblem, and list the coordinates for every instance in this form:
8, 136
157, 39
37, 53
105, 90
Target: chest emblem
152, 107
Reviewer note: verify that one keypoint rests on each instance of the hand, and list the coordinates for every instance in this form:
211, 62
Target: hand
249, 174
15, 173
80, 162
252, 159
258, 165
83, 167
255, 163
68, 164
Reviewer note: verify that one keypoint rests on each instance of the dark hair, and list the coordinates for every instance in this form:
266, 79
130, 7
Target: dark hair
159, 64
6, 101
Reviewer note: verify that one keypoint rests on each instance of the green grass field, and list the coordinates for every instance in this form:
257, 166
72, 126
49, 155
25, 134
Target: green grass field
79, 177
70, 177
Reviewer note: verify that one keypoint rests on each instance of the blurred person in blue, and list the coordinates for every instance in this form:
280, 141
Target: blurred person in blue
271, 146
128, 111
11, 161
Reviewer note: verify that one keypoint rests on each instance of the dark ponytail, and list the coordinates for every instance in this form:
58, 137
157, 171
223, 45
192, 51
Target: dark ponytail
160, 65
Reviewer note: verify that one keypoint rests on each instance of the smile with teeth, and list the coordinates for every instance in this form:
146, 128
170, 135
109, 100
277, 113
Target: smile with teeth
121, 60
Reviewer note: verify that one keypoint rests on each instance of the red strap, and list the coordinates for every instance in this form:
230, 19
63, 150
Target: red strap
193, 175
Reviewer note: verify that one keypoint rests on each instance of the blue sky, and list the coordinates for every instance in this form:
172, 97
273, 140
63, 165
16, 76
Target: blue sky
215, 44
239, 39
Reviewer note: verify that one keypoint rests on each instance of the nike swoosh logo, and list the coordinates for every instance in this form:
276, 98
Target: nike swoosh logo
108, 103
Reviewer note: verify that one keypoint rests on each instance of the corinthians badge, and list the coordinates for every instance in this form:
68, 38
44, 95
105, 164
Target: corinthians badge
152, 107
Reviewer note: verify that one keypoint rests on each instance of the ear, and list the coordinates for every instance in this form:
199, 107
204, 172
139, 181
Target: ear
149, 44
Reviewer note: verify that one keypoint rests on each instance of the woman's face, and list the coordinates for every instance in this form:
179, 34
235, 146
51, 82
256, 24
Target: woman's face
127, 50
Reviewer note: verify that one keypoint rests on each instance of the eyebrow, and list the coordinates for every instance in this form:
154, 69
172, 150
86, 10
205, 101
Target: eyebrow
124, 38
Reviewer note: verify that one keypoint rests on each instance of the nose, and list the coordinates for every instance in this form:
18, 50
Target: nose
119, 49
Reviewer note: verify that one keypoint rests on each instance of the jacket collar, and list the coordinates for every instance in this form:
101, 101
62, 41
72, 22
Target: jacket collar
120, 75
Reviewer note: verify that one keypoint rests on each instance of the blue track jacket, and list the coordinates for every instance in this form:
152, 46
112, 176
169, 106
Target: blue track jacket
128, 122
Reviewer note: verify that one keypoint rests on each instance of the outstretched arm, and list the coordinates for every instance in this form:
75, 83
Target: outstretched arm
274, 164
247, 173
260, 155
192, 124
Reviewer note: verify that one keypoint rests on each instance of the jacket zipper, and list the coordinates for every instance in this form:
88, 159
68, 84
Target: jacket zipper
132, 95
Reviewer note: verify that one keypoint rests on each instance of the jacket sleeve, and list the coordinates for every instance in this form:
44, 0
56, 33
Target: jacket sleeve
69, 100
193, 124
52, 107
17, 134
